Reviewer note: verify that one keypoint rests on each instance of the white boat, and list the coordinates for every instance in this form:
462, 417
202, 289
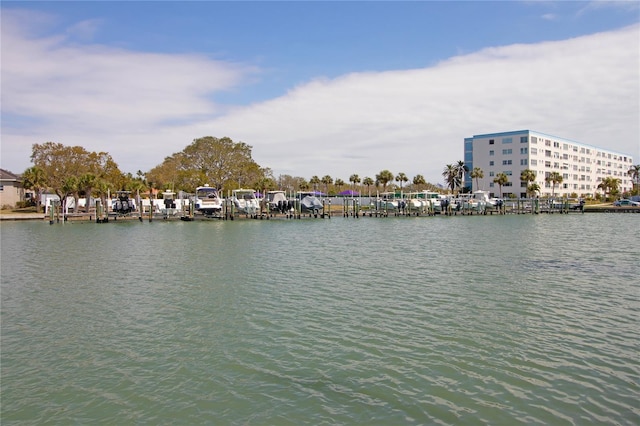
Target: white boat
432, 200
481, 200
169, 204
386, 202
207, 201
245, 201
277, 201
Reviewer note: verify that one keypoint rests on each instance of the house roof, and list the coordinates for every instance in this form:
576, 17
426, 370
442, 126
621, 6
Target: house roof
7, 175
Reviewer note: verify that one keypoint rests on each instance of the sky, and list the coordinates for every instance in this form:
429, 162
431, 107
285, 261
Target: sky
316, 88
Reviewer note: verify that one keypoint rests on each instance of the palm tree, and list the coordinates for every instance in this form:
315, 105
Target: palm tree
528, 175
451, 176
634, 172
354, 179
554, 178
87, 182
339, 184
327, 180
384, 177
461, 168
609, 185
315, 181
70, 187
368, 182
501, 179
477, 174
419, 180
34, 178
533, 188
401, 177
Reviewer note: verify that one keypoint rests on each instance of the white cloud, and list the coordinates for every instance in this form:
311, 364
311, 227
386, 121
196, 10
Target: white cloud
142, 107
414, 121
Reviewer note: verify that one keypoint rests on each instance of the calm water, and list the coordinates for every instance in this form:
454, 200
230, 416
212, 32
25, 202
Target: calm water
462, 320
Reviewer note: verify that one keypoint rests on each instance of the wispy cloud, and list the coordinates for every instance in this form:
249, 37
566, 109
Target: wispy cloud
141, 107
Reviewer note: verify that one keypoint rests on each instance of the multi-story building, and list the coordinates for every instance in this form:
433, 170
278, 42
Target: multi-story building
581, 166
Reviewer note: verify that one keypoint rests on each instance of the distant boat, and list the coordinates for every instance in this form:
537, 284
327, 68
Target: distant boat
432, 200
207, 201
386, 201
309, 203
169, 201
245, 201
277, 201
123, 205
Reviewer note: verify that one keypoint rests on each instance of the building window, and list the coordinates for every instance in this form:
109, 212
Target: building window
507, 140
506, 151
490, 184
490, 141
534, 151
491, 152
491, 163
506, 162
524, 139
508, 172
534, 139
523, 161
524, 150
534, 162
491, 174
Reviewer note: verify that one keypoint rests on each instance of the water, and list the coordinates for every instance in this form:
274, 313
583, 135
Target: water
460, 320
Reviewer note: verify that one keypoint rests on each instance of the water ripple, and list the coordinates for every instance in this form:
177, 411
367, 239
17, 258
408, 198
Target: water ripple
494, 320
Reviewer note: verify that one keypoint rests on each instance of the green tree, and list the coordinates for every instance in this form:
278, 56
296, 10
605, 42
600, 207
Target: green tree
501, 179
451, 177
610, 186
327, 180
461, 169
528, 176
314, 181
634, 172
219, 162
355, 180
401, 178
419, 181
367, 181
554, 178
339, 183
533, 188
62, 164
34, 178
477, 174
384, 177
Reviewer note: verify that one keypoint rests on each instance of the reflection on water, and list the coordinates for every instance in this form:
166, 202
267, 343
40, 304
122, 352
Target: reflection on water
499, 320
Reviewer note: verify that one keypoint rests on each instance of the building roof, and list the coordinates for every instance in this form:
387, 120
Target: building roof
7, 175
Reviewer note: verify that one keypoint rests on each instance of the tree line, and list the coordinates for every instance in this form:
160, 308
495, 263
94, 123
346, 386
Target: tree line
226, 165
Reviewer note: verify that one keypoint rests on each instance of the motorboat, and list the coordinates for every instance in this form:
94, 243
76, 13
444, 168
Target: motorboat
432, 200
207, 201
169, 203
386, 201
122, 204
277, 201
245, 201
480, 200
310, 203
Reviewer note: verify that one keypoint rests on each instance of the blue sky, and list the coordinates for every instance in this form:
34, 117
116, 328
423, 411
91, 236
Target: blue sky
316, 87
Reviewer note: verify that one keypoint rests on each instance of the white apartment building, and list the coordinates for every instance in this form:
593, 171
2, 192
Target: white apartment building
581, 166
